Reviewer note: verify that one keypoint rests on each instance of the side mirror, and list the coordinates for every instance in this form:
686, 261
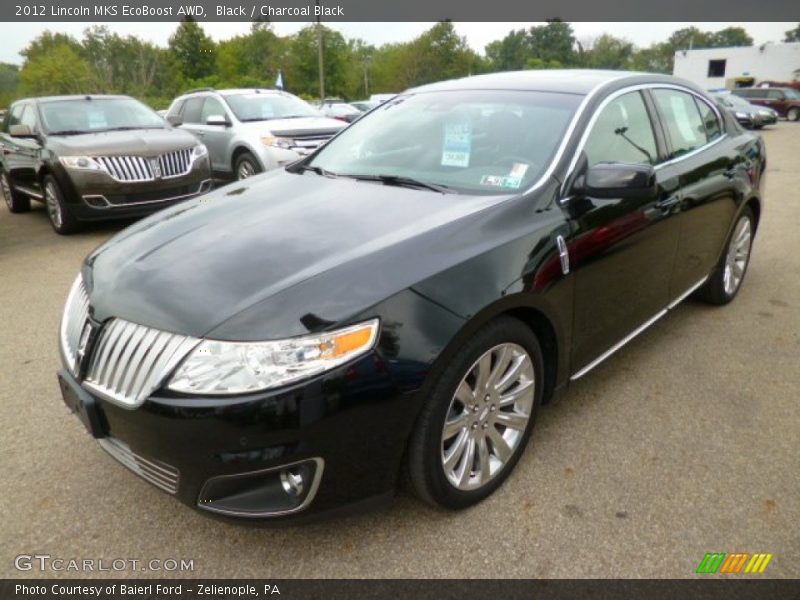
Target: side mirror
175, 120
620, 180
21, 131
217, 120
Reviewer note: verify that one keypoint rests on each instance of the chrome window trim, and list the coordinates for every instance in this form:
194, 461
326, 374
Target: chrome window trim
636, 88
203, 187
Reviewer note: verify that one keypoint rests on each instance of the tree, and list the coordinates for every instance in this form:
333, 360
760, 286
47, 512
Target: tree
57, 70
192, 50
9, 83
793, 35
609, 52
553, 42
729, 37
511, 53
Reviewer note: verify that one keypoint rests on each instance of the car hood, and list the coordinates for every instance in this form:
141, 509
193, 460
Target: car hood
137, 142
304, 125
280, 254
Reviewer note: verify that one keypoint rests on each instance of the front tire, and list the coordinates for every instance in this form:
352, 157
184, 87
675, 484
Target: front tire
246, 166
725, 281
16, 202
58, 212
478, 417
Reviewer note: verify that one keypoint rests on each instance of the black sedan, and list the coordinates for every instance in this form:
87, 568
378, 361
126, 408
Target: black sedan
409, 294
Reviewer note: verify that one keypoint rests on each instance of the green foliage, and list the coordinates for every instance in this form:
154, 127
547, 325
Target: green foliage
793, 35
103, 61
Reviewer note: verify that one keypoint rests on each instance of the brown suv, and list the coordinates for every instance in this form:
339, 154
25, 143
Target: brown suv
786, 101
92, 158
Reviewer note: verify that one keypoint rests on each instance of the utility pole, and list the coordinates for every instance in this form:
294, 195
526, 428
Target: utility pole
366, 75
319, 56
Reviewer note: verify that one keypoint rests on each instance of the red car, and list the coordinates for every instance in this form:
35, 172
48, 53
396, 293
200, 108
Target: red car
786, 101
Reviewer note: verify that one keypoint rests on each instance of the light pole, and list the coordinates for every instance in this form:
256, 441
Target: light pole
319, 57
367, 59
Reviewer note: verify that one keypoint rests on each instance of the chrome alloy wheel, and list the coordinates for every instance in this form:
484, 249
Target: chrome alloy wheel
488, 416
5, 188
246, 169
53, 206
738, 255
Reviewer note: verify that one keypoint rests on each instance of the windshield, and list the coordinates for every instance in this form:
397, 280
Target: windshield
483, 141
735, 101
94, 115
263, 107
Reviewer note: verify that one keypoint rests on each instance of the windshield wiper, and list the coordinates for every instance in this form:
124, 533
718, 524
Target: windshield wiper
69, 132
317, 170
402, 181
125, 128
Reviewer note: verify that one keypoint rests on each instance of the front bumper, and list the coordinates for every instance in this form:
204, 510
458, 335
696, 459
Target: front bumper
94, 195
347, 429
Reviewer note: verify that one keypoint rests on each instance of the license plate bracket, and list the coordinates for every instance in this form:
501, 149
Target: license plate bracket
83, 405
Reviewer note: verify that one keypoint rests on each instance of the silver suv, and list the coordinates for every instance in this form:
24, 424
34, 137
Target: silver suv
251, 130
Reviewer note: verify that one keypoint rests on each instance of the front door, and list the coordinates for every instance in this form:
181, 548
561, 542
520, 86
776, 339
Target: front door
623, 250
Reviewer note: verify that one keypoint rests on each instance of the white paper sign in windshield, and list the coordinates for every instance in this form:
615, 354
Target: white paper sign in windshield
457, 144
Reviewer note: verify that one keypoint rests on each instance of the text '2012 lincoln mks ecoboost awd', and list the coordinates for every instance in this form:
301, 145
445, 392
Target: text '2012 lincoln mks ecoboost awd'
408, 294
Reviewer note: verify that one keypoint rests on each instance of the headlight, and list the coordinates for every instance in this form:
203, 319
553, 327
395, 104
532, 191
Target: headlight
741, 115
86, 163
216, 367
278, 142
199, 151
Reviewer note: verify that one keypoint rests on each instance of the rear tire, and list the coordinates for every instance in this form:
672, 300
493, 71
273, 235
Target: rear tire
16, 201
726, 280
246, 166
57, 210
478, 416
793, 114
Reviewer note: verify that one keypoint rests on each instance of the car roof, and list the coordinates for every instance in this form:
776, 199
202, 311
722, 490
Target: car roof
71, 97
569, 81
238, 91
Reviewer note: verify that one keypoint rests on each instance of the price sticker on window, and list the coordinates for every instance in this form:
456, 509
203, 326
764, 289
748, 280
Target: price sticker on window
457, 144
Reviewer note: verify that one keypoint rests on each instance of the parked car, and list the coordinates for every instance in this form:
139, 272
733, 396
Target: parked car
364, 105
248, 131
748, 115
408, 294
785, 101
341, 111
93, 158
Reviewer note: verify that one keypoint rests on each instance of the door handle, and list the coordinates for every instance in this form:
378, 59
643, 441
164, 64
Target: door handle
668, 203
730, 173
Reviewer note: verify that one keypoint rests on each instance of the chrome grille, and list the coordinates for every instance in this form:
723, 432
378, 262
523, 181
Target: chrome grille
156, 472
130, 361
127, 168
175, 164
74, 318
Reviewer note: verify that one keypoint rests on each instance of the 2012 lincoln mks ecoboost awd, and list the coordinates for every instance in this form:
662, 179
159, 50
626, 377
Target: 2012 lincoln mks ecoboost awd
409, 293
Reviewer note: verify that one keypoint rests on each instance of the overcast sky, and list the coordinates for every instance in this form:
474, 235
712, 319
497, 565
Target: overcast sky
478, 34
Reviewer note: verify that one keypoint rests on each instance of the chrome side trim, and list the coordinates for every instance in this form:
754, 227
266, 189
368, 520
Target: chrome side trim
563, 254
634, 88
204, 186
29, 192
686, 294
637, 331
160, 474
617, 346
312, 492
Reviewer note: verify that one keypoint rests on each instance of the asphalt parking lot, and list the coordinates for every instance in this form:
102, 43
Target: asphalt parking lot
685, 442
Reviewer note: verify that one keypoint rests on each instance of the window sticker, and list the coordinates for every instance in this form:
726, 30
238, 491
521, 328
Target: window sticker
97, 120
457, 144
267, 112
519, 170
502, 181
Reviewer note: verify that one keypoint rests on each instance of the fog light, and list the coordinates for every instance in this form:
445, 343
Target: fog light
292, 482
275, 491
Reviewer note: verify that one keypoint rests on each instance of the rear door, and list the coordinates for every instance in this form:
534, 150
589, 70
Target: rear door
623, 250
708, 166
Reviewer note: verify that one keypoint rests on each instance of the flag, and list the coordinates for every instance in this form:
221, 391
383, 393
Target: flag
279, 80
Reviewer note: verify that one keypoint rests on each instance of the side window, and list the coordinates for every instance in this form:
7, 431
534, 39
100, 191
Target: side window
622, 133
682, 120
710, 120
775, 95
192, 110
28, 117
14, 115
175, 109
212, 106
